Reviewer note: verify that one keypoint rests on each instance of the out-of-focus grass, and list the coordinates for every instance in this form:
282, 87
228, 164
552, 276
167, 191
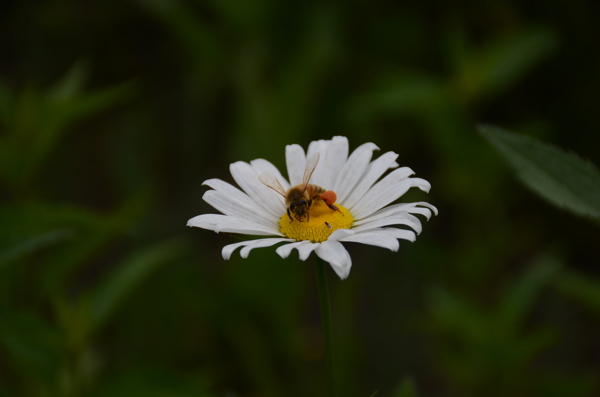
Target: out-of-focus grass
104, 292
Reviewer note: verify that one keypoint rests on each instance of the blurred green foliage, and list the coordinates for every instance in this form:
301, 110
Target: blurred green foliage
560, 177
113, 113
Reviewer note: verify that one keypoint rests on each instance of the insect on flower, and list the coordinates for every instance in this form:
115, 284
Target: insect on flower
330, 197
300, 198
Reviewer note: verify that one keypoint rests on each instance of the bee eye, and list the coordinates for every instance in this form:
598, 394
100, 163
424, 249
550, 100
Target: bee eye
302, 202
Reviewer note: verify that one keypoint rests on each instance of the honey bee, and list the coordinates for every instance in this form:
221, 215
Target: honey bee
300, 198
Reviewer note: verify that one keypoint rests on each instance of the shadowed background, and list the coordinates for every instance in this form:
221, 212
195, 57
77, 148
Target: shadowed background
112, 114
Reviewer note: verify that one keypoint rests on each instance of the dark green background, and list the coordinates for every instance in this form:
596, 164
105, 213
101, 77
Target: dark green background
112, 113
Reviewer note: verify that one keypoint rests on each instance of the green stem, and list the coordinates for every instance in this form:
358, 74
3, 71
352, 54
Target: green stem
326, 324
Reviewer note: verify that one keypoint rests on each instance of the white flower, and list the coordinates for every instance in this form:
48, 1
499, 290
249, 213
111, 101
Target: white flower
364, 214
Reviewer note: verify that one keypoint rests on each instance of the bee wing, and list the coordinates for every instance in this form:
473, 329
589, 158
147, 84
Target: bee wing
271, 181
311, 164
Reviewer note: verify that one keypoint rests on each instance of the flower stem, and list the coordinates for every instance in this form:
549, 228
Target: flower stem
326, 324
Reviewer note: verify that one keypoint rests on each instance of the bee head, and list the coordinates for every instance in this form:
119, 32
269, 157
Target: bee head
300, 208
299, 205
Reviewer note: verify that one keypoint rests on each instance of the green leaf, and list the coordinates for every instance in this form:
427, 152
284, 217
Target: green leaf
406, 389
152, 382
27, 228
53, 233
563, 383
33, 347
35, 121
459, 316
6, 106
504, 61
105, 300
103, 229
560, 177
18, 248
71, 84
527, 347
199, 40
580, 289
396, 94
520, 295
63, 108
5, 393
23, 219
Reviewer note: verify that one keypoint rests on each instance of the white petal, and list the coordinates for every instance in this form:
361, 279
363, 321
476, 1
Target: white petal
238, 196
340, 233
229, 224
239, 209
261, 244
320, 147
229, 249
247, 179
394, 232
402, 234
305, 248
374, 238
387, 190
295, 161
375, 170
426, 212
336, 255
399, 219
249, 245
337, 154
353, 170
285, 250
397, 209
262, 166
430, 206
369, 207
385, 185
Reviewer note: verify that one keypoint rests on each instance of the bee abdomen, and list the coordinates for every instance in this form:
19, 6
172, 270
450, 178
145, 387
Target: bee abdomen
314, 190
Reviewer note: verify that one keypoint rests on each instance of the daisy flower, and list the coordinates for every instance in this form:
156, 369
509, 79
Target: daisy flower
361, 214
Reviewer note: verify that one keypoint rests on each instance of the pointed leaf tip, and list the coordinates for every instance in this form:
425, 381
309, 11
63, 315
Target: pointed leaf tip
561, 177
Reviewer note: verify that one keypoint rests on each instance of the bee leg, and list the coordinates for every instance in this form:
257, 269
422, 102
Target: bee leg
335, 208
290, 214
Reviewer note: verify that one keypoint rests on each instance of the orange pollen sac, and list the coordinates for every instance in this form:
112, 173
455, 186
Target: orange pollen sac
329, 197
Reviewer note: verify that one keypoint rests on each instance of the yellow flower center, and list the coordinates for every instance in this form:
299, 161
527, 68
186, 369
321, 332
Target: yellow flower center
322, 221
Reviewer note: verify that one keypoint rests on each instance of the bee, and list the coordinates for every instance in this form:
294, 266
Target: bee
300, 198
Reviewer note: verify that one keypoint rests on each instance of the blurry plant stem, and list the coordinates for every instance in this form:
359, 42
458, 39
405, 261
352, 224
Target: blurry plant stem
326, 324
